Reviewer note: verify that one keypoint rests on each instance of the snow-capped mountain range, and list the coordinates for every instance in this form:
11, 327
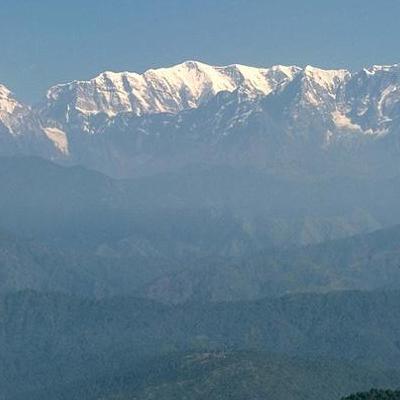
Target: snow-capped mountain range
165, 90
129, 124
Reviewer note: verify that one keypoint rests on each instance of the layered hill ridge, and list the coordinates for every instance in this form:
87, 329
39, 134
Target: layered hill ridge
129, 124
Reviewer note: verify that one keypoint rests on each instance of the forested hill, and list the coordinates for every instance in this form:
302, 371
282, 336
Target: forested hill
375, 394
55, 341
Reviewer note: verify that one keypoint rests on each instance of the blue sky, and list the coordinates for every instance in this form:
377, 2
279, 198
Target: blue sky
51, 41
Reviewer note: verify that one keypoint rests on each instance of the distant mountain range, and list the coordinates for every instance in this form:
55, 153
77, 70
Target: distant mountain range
287, 120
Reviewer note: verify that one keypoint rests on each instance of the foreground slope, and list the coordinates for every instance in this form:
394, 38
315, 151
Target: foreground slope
52, 345
375, 394
225, 375
52, 340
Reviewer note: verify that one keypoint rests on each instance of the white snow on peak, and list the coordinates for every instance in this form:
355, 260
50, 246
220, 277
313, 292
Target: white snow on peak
320, 87
8, 103
261, 81
328, 79
381, 68
166, 90
11, 111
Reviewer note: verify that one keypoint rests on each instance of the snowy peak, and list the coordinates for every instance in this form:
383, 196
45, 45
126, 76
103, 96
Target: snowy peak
256, 82
165, 90
20, 129
8, 103
312, 96
185, 86
382, 69
373, 97
329, 80
319, 88
11, 110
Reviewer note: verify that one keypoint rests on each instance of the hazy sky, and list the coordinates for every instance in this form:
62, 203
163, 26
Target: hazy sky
50, 41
